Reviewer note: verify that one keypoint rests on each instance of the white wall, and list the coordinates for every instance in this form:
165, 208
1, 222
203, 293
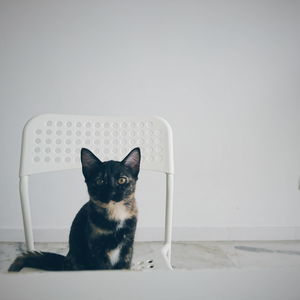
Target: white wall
224, 73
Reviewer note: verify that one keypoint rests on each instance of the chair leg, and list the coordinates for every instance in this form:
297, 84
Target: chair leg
169, 217
166, 251
26, 213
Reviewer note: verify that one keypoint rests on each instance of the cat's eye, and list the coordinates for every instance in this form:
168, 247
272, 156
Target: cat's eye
99, 181
122, 180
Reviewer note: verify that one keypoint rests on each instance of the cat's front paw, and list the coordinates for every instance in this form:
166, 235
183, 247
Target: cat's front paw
142, 265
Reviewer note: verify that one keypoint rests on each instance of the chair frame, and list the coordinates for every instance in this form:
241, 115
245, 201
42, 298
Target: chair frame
28, 166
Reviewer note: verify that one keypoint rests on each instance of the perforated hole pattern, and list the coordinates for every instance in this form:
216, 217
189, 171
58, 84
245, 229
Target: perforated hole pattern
61, 141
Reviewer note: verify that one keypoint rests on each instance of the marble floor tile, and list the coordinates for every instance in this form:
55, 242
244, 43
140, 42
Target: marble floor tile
193, 255
267, 254
196, 255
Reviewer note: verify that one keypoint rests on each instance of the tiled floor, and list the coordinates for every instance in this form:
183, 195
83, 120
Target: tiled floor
194, 255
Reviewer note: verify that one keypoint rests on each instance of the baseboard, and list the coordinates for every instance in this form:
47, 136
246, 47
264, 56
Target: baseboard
179, 234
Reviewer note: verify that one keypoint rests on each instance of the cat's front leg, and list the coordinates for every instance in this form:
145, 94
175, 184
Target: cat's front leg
125, 258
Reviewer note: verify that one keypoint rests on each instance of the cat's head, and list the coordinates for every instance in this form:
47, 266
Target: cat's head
110, 180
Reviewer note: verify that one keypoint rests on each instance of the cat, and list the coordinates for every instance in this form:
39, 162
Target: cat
102, 233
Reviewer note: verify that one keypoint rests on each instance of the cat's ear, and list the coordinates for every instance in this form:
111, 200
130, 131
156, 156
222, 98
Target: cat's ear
88, 161
132, 160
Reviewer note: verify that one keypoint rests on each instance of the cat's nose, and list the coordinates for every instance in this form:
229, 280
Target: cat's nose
112, 194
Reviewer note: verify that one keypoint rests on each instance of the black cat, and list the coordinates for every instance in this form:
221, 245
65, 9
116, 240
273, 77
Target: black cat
102, 233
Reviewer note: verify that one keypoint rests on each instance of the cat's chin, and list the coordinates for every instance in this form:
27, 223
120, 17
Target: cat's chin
104, 201
116, 201
98, 201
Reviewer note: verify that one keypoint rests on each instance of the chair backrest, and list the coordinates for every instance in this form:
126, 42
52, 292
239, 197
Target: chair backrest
52, 142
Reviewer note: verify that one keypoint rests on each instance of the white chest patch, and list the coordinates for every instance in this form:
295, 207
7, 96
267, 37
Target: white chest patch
114, 255
118, 211
120, 224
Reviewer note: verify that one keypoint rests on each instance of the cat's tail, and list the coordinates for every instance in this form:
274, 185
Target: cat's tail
40, 260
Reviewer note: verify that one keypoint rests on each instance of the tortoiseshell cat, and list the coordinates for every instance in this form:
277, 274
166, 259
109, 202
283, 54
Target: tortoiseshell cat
102, 233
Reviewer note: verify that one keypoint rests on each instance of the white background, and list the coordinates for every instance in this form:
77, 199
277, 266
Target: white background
225, 74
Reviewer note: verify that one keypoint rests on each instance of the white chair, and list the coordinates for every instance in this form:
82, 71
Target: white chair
52, 142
